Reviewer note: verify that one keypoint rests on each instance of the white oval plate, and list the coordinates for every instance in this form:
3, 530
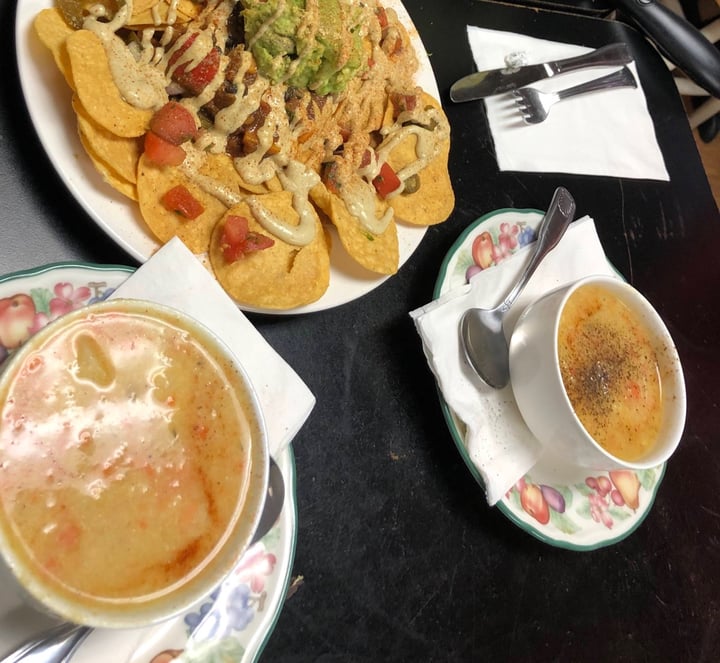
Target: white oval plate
585, 516
48, 99
31, 299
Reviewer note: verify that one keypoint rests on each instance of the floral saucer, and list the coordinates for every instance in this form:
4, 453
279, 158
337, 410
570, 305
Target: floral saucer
28, 301
564, 506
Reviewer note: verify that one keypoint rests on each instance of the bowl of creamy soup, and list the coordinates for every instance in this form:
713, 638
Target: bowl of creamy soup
596, 376
133, 464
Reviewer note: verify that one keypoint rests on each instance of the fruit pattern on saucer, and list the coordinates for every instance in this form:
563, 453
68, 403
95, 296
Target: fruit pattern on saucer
24, 313
249, 597
606, 498
30, 300
578, 509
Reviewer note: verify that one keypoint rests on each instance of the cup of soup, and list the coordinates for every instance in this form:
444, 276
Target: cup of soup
596, 376
133, 464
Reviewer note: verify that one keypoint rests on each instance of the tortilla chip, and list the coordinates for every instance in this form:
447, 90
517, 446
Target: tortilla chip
280, 277
97, 92
112, 6
378, 253
127, 189
152, 184
53, 32
143, 13
140, 6
221, 168
120, 155
434, 200
363, 108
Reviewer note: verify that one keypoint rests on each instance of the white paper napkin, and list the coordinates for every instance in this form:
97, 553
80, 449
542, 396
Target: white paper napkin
497, 440
176, 278
608, 133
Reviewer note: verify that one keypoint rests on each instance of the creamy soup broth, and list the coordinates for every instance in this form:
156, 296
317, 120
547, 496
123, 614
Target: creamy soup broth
610, 372
123, 456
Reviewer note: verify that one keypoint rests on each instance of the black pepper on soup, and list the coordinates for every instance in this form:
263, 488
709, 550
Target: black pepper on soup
610, 371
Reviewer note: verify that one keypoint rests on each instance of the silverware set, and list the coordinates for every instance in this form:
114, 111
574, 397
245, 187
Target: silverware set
534, 104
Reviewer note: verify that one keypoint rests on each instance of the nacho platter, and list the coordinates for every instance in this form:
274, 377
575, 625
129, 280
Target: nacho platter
46, 93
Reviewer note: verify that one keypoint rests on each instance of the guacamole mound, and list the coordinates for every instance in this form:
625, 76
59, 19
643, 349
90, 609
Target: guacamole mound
313, 44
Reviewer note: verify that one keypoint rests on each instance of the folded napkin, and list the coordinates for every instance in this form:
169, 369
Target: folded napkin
607, 133
176, 278
497, 440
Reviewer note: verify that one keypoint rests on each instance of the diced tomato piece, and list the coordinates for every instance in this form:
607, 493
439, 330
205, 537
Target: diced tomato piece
387, 181
233, 253
404, 102
237, 240
235, 230
257, 242
174, 123
196, 79
183, 47
180, 200
410, 101
161, 152
234, 233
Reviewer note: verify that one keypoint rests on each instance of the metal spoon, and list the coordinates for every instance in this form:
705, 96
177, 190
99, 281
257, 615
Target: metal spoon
58, 644
481, 330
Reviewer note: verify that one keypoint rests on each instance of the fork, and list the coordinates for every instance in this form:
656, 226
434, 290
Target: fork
535, 105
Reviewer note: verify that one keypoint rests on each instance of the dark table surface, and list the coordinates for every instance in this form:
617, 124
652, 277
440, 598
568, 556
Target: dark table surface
402, 559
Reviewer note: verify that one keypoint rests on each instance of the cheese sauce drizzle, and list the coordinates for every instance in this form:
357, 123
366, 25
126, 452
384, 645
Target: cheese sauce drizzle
297, 179
140, 84
143, 72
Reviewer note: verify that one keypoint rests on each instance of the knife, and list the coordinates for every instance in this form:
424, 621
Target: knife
496, 81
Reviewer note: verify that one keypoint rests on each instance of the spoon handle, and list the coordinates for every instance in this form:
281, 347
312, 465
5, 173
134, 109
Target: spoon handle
552, 227
58, 645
